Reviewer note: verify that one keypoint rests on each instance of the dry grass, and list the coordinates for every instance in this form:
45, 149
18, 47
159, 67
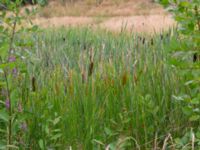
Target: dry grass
107, 8
135, 15
139, 24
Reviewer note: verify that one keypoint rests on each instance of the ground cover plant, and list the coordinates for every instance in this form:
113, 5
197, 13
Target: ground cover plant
79, 88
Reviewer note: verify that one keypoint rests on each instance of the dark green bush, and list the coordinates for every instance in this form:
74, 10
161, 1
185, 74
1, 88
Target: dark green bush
4, 3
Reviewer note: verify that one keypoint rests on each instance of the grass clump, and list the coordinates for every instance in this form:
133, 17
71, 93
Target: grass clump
94, 90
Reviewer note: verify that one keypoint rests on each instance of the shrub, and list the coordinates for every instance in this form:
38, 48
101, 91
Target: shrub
187, 15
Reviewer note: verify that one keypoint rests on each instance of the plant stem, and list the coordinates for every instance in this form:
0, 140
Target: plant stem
7, 84
10, 111
12, 37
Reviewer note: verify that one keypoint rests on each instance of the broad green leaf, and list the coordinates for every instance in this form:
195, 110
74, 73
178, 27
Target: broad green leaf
195, 101
198, 134
164, 2
187, 110
47, 129
194, 118
41, 144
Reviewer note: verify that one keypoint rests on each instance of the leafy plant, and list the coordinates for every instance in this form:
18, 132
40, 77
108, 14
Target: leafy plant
186, 56
13, 124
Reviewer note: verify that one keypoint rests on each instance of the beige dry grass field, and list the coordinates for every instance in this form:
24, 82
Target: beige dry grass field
108, 8
134, 15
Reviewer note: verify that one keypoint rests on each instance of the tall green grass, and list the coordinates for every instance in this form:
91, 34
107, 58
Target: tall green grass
90, 89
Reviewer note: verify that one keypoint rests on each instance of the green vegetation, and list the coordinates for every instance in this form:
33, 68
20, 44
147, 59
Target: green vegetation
88, 89
77, 88
103, 87
187, 14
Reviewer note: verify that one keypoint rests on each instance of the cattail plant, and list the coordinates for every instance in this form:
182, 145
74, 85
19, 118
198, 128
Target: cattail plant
33, 84
91, 62
82, 69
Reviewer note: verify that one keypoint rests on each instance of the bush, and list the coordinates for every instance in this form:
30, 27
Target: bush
187, 15
4, 4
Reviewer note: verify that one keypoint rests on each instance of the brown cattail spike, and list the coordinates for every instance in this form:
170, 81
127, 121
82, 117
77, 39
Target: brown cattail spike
33, 84
152, 41
196, 57
91, 65
161, 37
143, 41
124, 78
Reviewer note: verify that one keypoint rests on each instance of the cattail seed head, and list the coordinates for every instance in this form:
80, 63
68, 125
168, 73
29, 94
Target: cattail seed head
91, 67
33, 84
161, 37
152, 42
124, 78
143, 41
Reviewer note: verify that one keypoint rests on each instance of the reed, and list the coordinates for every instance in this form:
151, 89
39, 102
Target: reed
114, 92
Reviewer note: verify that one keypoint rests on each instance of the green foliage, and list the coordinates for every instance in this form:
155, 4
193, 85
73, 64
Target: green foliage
42, 2
186, 55
122, 103
13, 121
187, 14
5, 4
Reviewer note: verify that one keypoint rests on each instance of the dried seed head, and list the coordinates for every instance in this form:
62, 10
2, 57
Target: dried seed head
161, 37
152, 41
84, 47
143, 41
124, 78
33, 84
196, 57
91, 67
